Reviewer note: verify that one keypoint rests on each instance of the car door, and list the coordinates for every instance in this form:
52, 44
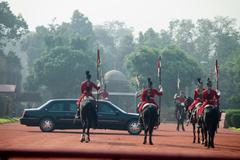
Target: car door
108, 116
62, 112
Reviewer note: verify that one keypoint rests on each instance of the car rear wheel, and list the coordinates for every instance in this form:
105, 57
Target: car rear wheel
47, 125
134, 128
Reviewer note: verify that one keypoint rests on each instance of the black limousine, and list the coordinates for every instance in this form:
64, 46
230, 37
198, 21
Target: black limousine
60, 114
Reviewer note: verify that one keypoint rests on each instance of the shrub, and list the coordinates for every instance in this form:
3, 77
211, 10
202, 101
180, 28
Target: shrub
235, 120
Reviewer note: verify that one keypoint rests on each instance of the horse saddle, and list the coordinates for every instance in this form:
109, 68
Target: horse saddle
148, 104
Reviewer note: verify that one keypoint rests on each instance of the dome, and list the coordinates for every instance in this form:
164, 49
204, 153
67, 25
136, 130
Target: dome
115, 75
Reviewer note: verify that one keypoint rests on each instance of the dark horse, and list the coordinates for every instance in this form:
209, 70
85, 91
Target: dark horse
210, 123
195, 120
149, 117
88, 117
180, 113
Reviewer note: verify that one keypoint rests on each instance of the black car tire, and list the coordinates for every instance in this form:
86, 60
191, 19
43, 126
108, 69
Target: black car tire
47, 125
134, 128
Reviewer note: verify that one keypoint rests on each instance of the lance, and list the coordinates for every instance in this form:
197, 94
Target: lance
217, 73
138, 87
98, 65
160, 83
217, 77
178, 84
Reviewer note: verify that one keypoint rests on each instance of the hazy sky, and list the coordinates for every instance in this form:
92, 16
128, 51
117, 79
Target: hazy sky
139, 14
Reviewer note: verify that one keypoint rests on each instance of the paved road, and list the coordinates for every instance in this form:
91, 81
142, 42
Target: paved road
166, 140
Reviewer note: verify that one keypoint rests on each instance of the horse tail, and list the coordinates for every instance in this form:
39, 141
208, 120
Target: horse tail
149, 117
210, 118
88, 114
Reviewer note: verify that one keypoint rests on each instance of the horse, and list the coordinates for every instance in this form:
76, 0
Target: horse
210, 123
195, 119
149, 118
180, 114
88, 117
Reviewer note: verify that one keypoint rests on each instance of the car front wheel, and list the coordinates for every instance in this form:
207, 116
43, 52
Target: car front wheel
134, 128
47, 125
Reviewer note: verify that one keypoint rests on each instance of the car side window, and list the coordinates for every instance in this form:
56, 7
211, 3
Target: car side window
73, 107
57, 106
105, 108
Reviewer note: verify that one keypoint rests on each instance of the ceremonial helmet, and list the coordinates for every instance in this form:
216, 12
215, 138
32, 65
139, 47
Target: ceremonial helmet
209, 82
199, 83
149, 82
88, 75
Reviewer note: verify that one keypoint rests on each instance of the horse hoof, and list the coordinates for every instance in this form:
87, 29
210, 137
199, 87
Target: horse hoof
144, 142
151, 143
198, 141
82, 140
193, 141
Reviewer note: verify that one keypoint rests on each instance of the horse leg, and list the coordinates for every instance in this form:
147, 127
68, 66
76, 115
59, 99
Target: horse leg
83, 134
194, 134
150, 135
212, 134
209, 139
202, 132
206, 138
145, 135
177, 125
198, 132
88, 136
183, 125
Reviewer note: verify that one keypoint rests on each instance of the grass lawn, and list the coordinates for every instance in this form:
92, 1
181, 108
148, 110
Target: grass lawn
8, 120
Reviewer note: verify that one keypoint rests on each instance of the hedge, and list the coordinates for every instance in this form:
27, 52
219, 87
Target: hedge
233, 118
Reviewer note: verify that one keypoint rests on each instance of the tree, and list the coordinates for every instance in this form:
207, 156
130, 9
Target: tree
12, 27
182, 33
174, 61
229, 81
61, 70
150, 38
226, 37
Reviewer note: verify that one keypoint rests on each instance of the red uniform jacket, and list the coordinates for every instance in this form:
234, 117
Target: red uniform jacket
209, 97
180, 99
151, 94
84, 85
198, 97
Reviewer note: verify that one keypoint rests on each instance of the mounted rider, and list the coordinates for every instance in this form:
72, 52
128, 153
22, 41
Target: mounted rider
198, 94
179, 100
210, 97
147, 96
86, 90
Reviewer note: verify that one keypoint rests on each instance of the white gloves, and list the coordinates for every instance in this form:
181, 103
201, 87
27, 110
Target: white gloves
98, 83
175, 96
160, 88
218, 92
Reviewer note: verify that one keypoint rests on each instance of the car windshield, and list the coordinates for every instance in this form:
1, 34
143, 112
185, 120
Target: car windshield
44, 104
118, 107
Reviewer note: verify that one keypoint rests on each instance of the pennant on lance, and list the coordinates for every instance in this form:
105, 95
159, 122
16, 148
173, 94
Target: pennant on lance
158, 66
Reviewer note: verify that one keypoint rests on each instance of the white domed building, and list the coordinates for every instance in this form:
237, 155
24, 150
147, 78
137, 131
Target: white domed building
120, 92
